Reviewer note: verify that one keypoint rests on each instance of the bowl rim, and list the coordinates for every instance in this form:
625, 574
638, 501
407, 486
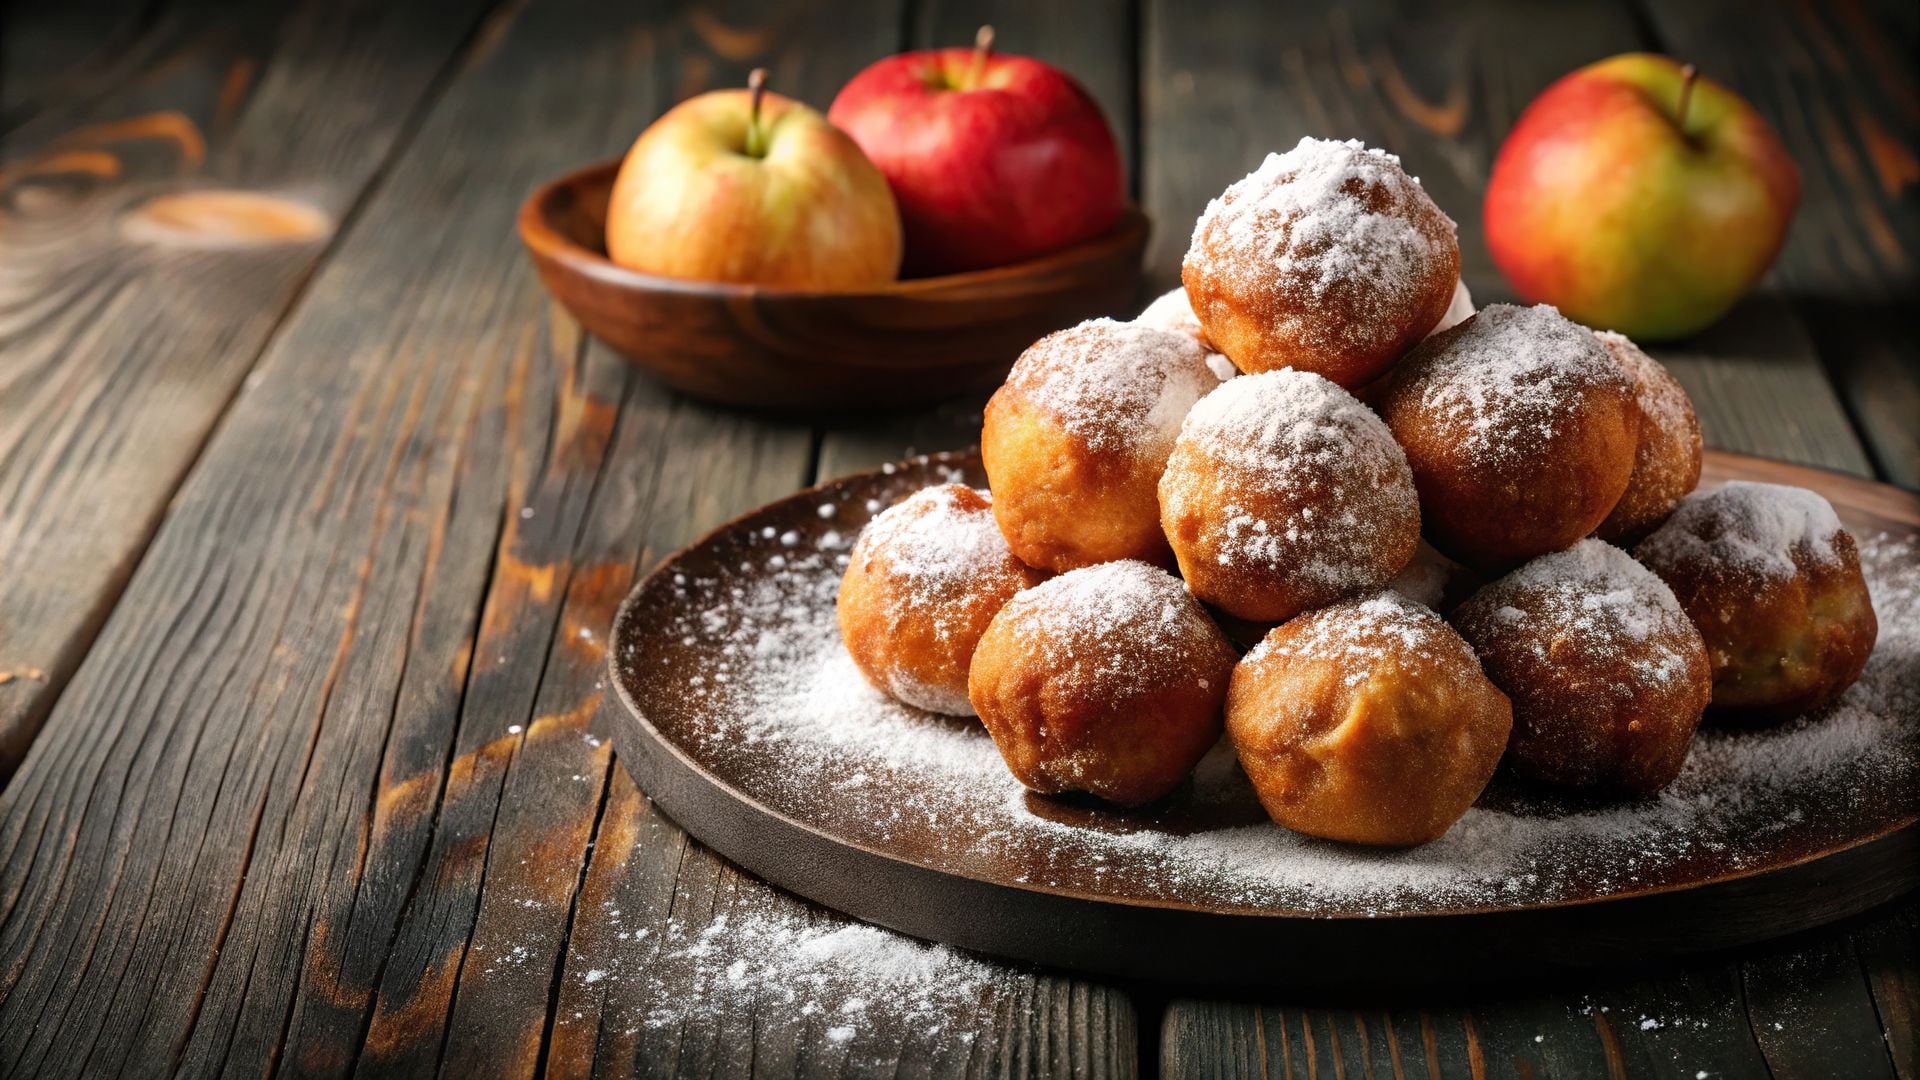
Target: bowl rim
545, 241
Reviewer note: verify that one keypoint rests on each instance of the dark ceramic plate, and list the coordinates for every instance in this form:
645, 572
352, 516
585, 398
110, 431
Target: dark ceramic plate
746, 723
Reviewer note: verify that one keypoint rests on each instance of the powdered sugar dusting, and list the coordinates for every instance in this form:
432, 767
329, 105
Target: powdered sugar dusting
1324, 219
1510, 378
1121, 387
1171, 310
1117, 626
1426, 578
783, 715
1747, 528
1663, 401
1595, 600
1358, 632
938, 538
787, 967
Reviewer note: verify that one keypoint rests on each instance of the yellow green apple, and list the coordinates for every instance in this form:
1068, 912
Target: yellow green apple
750, 187
1638, 196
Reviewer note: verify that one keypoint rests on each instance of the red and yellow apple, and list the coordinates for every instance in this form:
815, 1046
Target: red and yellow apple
1638, 197
751, 187
994, 158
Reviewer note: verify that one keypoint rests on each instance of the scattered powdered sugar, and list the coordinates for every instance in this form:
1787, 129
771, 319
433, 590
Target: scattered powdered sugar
783, 715
1325, 225
766, 957
1755, 530
1122, 387
1509, 379
1342, 482
1355, 633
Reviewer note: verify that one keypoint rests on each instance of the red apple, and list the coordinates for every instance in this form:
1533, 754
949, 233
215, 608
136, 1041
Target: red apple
1638, 197
751, 187
994, 158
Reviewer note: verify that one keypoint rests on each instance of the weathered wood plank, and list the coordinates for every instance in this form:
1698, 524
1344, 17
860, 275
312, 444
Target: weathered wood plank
149, 243
1838, 82
1759, 387
312, 799
1889, 950
51, 51
1812, 1012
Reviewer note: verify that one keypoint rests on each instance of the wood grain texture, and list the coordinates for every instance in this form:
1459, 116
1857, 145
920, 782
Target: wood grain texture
58, 52
285, 826
1758, 386
324, 794
150, 241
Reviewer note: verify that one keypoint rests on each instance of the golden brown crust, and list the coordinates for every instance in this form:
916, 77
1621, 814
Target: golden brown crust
1666, 463
1607, 676
1785, 634
1106, 680
922, 583
1369, 721
1062, 504
1328, 259
1520, 430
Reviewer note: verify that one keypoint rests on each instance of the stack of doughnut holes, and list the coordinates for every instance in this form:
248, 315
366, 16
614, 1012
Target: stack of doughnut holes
1456, 542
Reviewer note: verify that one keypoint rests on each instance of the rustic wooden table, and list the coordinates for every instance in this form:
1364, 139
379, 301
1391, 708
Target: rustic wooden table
313, 510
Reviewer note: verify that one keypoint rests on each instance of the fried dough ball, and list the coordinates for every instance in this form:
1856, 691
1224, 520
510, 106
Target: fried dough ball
1106, 680
1607, 675
922, 583
1328, 258
1285, 493
1666, 463
1369, 721
1520, 430
1075, 440
1773, 582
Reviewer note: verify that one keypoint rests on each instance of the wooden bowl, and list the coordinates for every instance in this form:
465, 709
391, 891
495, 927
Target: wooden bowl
909, 342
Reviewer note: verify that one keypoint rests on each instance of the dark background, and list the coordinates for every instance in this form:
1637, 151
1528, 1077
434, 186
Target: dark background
293, 683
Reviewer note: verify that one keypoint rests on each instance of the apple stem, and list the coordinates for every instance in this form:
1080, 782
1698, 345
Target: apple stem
756, 90
982, 49
1688, 73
